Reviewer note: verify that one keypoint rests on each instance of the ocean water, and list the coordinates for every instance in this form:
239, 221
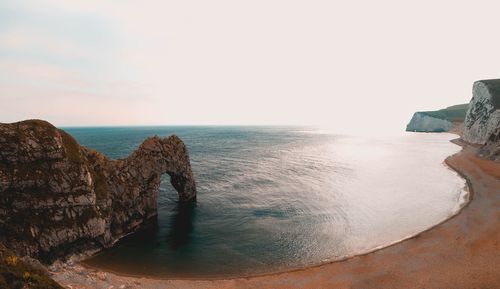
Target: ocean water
279, 198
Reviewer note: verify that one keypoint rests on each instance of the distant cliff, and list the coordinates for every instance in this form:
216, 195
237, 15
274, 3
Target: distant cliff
483, 115
437, 121
480, 117
58, 197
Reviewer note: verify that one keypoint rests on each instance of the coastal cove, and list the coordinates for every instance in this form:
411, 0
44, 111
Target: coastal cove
347, 170
445, 256
249, 145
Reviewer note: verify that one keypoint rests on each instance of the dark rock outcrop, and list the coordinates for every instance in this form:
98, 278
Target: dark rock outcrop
57, 197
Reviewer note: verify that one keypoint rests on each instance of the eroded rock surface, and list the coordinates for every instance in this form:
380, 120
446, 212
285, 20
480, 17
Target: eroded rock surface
491, 149
57, 197
483, 115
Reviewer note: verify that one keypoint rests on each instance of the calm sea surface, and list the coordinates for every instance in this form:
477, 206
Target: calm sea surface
278, 198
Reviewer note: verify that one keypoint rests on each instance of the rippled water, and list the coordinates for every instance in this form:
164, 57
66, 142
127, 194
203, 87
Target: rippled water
277, 198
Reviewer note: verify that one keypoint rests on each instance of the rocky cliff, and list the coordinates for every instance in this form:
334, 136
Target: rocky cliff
481, 119
491, 149
437, 121
483, 115
58, 197
421, 122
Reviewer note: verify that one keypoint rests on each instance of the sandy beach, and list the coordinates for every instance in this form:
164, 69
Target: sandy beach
462, 252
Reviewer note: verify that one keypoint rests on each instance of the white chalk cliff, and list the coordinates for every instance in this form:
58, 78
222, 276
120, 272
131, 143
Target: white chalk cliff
439, 120
422, 122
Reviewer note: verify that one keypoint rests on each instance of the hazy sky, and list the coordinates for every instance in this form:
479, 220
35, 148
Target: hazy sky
348, 65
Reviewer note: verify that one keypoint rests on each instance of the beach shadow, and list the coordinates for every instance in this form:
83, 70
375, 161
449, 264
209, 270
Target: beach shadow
182, 225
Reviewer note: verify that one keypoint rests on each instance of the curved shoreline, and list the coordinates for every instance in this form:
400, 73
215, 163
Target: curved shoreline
469, 196
465, 203
116, 278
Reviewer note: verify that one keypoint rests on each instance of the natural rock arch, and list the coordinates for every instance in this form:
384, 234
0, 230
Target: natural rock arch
156, 156
57, 197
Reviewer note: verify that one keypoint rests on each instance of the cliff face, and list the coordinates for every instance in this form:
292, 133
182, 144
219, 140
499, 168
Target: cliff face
421, 122
58, 197
483, 116
491, 149
437, 121
481, 119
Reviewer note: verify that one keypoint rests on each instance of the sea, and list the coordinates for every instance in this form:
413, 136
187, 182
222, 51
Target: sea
273, 199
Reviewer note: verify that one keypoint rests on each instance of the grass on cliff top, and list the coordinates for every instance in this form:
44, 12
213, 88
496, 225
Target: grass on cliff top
16, 274
71, 146
43, 130
455, 113
37, 122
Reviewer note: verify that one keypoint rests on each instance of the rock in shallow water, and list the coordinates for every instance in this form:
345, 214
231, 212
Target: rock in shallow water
58, 197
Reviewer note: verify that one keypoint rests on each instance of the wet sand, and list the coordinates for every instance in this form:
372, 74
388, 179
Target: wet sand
462, 252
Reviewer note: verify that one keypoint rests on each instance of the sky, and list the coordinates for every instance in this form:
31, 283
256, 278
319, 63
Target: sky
346, 65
